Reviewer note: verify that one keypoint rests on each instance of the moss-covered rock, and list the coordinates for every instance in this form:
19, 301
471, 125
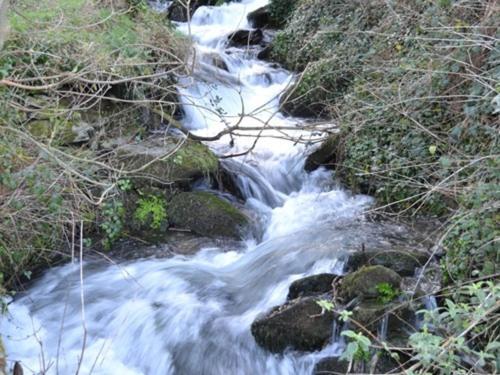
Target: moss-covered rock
321, 82
66, 132
207, 215
166, 162
299, 325
402, 261
365, 282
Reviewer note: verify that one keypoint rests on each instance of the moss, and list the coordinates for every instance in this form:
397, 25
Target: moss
363, 283
194, 158
167, 161
206, 214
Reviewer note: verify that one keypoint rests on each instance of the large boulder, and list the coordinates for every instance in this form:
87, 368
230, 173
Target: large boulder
206, 214
245, 37
301, 325
402, 261
324, 155
164, 162
364, 283
311, 286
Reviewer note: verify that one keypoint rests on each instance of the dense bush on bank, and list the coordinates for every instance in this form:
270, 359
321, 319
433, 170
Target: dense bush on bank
414, 87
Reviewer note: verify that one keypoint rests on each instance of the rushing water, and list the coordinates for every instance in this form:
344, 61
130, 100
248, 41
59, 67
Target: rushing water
191, 314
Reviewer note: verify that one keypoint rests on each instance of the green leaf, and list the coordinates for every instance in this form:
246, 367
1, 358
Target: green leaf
432, 150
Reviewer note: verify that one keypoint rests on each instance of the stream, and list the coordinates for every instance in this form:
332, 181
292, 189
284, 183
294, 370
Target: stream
190, 315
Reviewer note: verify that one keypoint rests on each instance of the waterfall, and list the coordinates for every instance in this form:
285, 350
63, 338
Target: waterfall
189, 315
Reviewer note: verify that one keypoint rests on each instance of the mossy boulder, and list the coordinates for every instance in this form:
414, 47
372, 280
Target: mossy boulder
65, 132
324, 155
320, 83
165, 162
299, 325
311, 286
206, 214
364, 282
402, 261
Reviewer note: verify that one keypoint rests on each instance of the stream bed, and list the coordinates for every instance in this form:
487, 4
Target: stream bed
191, 315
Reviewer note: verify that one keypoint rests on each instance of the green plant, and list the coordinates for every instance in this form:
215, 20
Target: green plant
326, 305
124, 184
386, 293
358, 347
462, 328
151, 209
113, 215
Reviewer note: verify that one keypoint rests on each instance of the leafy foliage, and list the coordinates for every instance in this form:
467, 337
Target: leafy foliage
151, 209
462, 328
358, 347
386, 293
113, 215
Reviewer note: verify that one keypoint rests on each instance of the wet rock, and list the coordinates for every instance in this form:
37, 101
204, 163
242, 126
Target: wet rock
265, 53
325, 155
243, 38
387, 365
205, 214
331, 365
298, 325
399, 315
404, 261
179, 12
311, 286
363, 283
260, 17
166, 160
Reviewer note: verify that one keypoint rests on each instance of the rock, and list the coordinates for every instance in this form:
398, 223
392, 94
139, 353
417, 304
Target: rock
404, 261
363, 283
71, 132
165, 161
205, 214
324, 155
311, 286
331, 365
219, 63
260, 17
245, 37
179, 12
298, 325
313, 94
400, 319
265, 53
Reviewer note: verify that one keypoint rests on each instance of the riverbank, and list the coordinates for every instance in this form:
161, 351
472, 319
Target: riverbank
87, 100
